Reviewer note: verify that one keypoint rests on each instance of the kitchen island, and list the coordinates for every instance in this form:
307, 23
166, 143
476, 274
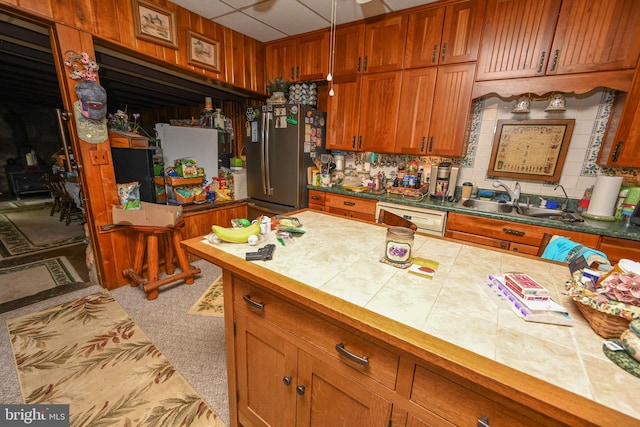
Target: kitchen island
324, 331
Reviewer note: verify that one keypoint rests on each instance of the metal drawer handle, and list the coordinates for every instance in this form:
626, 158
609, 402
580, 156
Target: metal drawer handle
360, 360
316, 197
349, 203
252, 303
514, 232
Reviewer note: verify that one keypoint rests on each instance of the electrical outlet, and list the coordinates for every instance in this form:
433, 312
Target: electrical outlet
99, 157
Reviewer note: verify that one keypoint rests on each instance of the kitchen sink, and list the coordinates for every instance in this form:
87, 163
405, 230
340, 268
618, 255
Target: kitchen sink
488, 205
553, 214
531, 211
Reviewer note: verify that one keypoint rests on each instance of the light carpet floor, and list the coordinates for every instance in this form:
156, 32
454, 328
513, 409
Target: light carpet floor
194, 345
29, 279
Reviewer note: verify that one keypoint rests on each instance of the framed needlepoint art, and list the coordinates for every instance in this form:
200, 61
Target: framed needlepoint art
155, 24
530, 149
203, 52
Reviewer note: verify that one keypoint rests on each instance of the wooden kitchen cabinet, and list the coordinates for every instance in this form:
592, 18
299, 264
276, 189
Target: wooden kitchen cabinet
363, 113
452, 104
621, 143
617, 249
199, 222
508, 235
384, 43
289, 371
301, 58
435, 105
349, 50
454, 399
558, 37
350, 206
316, 200
444, 35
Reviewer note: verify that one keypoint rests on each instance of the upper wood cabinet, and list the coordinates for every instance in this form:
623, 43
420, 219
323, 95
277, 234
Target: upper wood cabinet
299, 59
349, 48
622, 141
416, 101
527, 38
451, 106
384, 43
363, 113
444, 35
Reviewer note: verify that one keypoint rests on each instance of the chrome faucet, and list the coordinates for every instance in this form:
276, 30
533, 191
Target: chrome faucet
565, 205
514, 195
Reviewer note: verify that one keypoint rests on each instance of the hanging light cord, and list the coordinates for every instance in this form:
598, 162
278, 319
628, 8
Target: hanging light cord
332, 46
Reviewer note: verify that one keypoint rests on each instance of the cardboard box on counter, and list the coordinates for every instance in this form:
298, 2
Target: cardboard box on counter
149, 214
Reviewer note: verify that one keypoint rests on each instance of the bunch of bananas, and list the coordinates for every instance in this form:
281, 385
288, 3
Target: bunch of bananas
237, 235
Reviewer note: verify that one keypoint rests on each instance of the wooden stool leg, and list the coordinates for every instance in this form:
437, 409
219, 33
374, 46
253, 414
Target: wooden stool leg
183, 262
152, 263
138, 263
169, 267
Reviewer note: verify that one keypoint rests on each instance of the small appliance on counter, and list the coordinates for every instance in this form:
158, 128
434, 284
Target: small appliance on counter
443, 180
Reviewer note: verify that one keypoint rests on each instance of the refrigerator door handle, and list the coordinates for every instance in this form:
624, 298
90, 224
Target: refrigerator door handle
267, 169
263, 139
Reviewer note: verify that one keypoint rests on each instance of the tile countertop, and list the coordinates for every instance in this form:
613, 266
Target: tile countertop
453, 306
602, 228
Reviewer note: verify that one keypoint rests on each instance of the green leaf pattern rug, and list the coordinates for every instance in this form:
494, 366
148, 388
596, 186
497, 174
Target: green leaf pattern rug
90, 354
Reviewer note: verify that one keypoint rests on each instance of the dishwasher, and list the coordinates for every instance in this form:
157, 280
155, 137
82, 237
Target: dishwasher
429, 221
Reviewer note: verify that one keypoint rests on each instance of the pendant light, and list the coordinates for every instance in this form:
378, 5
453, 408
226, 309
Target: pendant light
332, 46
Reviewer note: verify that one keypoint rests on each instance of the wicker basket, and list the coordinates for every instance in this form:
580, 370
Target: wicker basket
605, 325
606, 317
183, 200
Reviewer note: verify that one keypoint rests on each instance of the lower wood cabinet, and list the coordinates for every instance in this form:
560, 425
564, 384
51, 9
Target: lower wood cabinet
198, 223
339, 204
286, 380
617, 249
508, 235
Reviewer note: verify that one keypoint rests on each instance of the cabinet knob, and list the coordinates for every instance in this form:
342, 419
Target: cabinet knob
366, 59
483, 422
359, 62
300, 389
616, 151
434, 57
554, 61
422, 144
287, 380
444, 52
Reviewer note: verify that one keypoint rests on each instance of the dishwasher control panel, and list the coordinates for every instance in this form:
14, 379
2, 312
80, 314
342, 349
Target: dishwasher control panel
429, 221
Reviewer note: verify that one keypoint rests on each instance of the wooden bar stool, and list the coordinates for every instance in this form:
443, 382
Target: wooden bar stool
148, 242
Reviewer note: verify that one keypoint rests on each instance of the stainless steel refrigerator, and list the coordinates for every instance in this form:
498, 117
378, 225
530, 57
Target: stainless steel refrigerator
281, 142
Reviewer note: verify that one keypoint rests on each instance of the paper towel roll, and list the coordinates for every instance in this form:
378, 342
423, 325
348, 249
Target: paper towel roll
605, 195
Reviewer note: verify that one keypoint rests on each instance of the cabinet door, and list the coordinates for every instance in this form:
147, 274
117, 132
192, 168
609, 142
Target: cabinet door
312, 61
326, 398
380, 97
423, 38
343, 114
266, 368
281, 60
348, 50
516, 38
461, 32
595, 35
452, 102
617, 249
416, 100
623, 148
384, 44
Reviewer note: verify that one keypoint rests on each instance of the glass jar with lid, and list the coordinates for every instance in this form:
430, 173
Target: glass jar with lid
398, 246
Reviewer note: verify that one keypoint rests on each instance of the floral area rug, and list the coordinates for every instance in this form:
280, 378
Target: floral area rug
32, 228
90, 354
211, 302
28, 279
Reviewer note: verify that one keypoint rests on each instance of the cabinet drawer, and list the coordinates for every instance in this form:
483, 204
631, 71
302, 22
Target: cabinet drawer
356, 204
381, 364
617, 249
316, 207
316, 197
350, 214
498, 229
465, 407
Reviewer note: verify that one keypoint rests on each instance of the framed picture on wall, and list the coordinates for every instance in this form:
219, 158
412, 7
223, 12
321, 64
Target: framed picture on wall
530, 149
155, 24
203, 52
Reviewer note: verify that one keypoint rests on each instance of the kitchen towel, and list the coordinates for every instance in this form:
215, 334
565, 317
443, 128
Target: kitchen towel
605, 195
